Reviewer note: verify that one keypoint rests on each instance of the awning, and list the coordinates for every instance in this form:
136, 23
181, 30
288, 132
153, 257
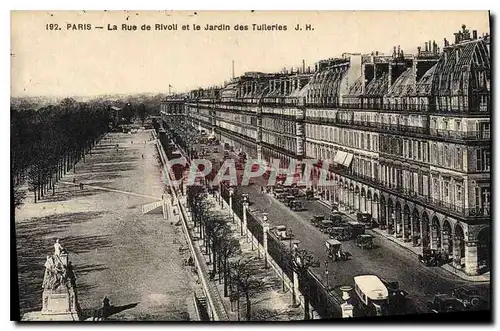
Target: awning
348, 160
339, 157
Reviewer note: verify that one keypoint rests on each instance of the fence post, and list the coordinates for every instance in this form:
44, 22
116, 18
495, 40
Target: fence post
265, 227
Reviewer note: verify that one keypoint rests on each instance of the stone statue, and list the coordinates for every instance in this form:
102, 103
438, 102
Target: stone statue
56, 272
58, 248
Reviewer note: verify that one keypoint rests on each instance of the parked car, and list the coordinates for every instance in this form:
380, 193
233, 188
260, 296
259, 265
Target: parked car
444, 303
281, 232
431, 258
469, 297
296, 205
366, 219
365, 241
317, 219
340, 233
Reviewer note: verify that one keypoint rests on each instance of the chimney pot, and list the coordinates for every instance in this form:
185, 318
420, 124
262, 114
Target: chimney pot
418, 49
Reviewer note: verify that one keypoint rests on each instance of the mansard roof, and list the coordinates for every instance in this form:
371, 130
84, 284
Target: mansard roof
424, 85
403, 85
457, 65
378, 86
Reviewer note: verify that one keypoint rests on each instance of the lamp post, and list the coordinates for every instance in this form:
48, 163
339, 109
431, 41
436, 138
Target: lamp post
231, 192
265, 226
243, 224
327, 276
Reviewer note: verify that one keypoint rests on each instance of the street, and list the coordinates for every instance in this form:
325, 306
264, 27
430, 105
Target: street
387, 260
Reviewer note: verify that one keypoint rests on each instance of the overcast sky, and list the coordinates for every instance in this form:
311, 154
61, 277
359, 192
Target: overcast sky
65, 62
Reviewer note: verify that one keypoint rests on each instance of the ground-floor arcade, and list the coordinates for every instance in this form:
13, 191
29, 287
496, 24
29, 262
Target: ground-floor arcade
467, 245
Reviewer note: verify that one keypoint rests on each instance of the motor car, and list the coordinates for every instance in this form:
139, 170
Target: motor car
334, 250
341, 233
357, 229
431, 258
469, 297
281, 232
317, 219
365, 218
365, 241
444, 303
296, 205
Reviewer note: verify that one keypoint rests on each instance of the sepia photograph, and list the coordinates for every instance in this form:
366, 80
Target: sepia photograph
250, 166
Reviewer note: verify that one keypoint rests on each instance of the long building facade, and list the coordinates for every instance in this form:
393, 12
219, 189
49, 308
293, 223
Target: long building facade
409, 135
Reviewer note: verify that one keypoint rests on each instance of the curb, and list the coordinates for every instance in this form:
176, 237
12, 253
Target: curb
444, 267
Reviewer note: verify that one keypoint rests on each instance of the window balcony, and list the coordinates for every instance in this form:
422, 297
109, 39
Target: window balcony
444, 207
463, 135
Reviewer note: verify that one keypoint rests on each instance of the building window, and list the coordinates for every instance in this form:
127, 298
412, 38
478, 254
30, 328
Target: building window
434, 153
435, 190
483, 159
446, 191
458, 194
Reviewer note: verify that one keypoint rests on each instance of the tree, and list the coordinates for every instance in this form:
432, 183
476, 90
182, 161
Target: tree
303, 261
245, 281
141, 112
127, 113
48, 141
228, 247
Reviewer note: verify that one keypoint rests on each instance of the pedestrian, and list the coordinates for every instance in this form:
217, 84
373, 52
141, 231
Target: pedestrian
142, 155
81, 186
74, 180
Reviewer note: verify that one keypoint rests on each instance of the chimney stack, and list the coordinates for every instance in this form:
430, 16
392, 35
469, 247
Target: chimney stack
303, 65
418, 49
474, 34
426, 49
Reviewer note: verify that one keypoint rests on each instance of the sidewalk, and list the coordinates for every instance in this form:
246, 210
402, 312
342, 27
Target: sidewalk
269, 304
415, 250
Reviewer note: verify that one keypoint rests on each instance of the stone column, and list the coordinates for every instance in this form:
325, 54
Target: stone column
356, 202
375, 207
394, 224
421, 232
295, 287
347, 307
457, 263
369, 208
231, 212
445, 242
434, 235
265, 227
471, 262
245, 207
412, 233
403, 227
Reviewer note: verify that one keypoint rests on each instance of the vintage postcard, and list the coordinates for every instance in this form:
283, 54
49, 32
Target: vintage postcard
251, 165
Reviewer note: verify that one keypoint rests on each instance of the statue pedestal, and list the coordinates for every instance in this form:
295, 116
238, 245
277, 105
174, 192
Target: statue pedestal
347, 310
60, 304
59, 298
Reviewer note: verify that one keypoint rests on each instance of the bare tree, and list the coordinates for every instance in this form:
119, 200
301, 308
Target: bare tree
303, 261
246, 282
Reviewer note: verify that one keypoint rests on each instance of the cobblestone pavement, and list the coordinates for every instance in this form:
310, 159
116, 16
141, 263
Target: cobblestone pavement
116, 251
